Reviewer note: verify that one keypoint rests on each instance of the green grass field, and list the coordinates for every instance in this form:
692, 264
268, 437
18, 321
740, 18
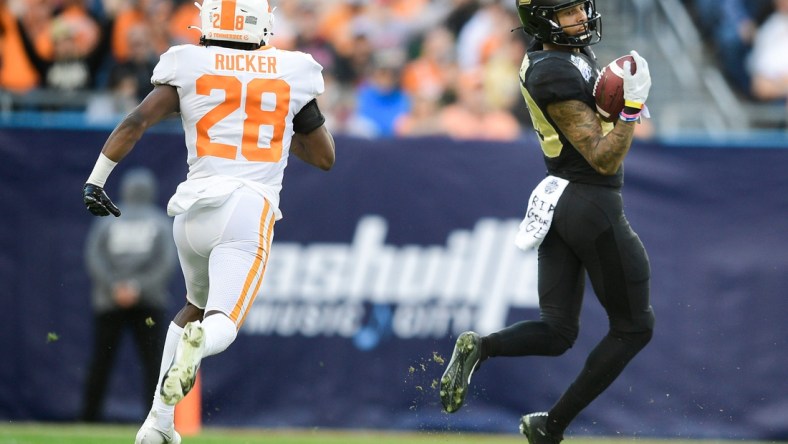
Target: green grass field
35, 433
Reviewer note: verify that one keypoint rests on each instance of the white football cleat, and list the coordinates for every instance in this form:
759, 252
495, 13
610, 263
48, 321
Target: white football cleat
180, 377
150, 433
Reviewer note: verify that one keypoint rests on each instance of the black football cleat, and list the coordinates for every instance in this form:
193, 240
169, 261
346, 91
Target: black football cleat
534, 427
464, 361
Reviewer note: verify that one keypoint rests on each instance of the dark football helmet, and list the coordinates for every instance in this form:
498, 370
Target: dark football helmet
538, 19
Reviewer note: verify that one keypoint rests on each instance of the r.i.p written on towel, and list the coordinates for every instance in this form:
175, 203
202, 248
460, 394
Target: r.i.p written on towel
539, 215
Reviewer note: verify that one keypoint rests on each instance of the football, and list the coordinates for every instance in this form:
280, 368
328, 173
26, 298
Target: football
609, 88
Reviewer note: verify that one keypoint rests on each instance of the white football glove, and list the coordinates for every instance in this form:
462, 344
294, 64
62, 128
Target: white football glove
636, 86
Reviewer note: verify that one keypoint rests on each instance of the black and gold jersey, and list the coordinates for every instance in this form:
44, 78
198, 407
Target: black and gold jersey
554, 76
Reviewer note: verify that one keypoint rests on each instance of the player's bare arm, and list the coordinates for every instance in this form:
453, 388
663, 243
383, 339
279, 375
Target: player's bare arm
579, 123
315, 148
159, 104
312, 142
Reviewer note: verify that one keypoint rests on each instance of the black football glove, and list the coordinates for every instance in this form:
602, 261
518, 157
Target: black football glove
97, 201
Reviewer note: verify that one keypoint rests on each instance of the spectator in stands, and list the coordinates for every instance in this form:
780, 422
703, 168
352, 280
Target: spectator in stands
140, 63
337, 100
380, 99
128, 81
287, 16
131, 261
423, 118
353, 64
183, 17
435, 69
110, 106
343, 36
409, 11
472, 117
502, 56
384, 29
705, 13
35, 18
17, 73
768, 64
156, 14
79, 13
461, 11
78, 51
733, 37
473, 39
729, 27
336, 25
308, 39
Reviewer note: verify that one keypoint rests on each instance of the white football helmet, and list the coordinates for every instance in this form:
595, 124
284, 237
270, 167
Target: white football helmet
241, 21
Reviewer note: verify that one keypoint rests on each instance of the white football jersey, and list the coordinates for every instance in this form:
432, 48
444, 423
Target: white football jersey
237, 109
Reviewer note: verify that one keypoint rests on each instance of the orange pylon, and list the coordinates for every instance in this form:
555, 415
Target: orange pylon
188, 412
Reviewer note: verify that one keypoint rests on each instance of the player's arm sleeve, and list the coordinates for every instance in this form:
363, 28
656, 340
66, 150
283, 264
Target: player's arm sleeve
164, 73
558, 81
315, 73
309, 118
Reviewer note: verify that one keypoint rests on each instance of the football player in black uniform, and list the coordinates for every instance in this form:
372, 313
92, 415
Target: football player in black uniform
589, 231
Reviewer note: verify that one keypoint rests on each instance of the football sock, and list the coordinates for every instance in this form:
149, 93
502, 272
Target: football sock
526, 338
484, 349
220, 332
164, 412
602, 367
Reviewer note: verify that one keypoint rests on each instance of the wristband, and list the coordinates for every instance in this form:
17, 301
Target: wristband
633, 104
629, 117
101, 170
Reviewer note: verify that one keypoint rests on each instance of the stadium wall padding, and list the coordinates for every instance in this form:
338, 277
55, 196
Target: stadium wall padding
378, 264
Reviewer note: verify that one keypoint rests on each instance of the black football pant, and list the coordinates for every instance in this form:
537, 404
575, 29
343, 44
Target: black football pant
589, 234
108, 333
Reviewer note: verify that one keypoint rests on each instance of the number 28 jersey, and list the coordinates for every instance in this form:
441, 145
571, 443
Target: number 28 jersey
237, 109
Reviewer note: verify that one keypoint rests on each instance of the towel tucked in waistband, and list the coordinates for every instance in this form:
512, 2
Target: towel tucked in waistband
539, 215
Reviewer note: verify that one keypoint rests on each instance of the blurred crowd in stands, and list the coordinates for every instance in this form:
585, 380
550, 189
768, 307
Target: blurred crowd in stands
392, 67
750, 41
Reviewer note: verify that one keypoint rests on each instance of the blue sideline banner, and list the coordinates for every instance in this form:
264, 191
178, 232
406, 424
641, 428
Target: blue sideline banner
378, 264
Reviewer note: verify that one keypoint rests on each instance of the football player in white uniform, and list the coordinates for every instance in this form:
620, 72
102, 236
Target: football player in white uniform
245, 106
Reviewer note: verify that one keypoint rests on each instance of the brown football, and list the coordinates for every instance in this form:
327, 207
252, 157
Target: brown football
609, 88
